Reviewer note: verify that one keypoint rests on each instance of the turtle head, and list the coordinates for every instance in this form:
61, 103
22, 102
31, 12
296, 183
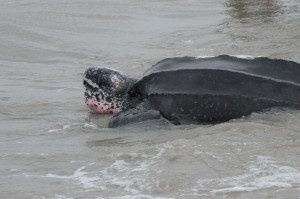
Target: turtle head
105, 90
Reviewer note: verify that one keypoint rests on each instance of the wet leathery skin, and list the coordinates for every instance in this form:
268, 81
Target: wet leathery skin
188, 90
212, 90
105, 90
186, 108
219, 82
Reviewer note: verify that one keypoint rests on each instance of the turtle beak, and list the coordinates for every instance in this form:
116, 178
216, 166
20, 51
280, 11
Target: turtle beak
89, 79
90, 74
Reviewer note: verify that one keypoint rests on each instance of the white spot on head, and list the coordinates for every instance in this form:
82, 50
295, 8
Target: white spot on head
117, 81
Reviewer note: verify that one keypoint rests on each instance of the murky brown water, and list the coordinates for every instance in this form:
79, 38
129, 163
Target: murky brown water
52, 147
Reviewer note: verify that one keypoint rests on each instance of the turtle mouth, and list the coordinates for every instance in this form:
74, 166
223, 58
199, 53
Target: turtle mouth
97, 101
100, 106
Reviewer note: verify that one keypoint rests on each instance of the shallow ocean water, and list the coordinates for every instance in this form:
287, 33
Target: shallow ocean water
51, 146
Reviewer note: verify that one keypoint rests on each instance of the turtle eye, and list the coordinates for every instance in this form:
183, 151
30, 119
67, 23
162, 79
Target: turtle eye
102, 82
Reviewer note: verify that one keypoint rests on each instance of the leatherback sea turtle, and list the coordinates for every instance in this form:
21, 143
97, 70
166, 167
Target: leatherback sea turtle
187, 90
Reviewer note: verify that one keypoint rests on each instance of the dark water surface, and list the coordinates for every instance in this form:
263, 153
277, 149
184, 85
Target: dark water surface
52, 147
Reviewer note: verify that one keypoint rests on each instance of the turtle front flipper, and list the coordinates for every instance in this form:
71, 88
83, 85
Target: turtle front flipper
133, 116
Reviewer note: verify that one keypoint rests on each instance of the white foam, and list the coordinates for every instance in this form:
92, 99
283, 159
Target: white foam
129, 177
30, 154
188, 42
132, 177
139, 196
79, 176
66, 126
119, 165
53, 130
264, 173
90, 125
57, 196
235, 189
23, 154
